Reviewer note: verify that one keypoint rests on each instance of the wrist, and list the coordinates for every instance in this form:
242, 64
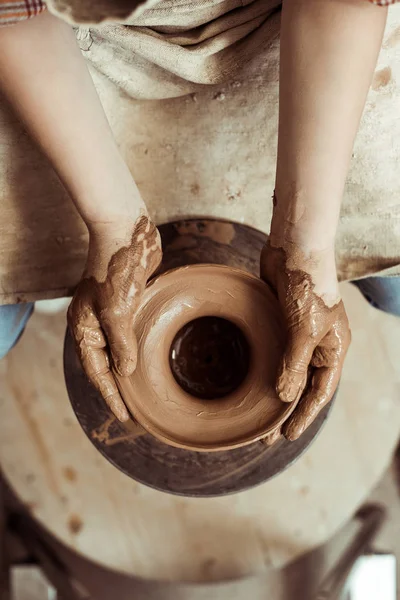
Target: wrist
293, 240
117, 228
114, 209
300, 219
108, 237
283, 256
311, 236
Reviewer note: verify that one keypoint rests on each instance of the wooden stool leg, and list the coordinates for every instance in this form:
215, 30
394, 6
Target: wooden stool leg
372, 518
4, 562
55, 571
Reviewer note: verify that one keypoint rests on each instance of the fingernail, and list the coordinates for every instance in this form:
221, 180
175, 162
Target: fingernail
125, 366
290, 389
293, 431
293, 434
287, 392
284, 397
123, 415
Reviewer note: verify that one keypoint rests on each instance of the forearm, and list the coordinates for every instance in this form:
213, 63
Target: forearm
47, 81
329, 50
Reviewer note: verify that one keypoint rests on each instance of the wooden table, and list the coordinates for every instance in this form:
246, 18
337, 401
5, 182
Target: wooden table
96, 510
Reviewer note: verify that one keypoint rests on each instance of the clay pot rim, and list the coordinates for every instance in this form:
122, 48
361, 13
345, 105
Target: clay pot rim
148, 426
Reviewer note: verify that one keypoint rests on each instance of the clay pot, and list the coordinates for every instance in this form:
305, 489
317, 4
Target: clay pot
209, 341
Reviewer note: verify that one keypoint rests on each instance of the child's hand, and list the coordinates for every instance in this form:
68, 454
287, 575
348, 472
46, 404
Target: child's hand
121, 259
318, 333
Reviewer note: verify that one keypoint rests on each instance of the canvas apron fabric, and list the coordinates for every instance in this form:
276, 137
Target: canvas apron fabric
218, 60
179, 45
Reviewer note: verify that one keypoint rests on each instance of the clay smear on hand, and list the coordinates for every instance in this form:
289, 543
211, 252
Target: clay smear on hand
318, 333
101, 312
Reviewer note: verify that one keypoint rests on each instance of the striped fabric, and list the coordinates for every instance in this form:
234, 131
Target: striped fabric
12, 11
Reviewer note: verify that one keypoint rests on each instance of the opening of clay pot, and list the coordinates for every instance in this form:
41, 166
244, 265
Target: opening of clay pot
210, 339
209, 357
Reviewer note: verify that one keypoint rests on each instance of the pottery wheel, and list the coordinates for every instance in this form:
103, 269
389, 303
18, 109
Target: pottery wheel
150, 461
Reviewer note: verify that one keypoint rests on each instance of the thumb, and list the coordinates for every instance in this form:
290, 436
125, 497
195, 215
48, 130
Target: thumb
293, 370
122, 344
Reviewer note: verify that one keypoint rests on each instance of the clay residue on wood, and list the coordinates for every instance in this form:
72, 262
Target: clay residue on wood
75, 524
70, 474
382, 78
394, 39
112, 432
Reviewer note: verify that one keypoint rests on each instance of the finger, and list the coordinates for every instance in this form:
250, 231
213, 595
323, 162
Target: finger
293, 370
271, 439
121, 342
323, 387
91, 344
96, 365
332, 349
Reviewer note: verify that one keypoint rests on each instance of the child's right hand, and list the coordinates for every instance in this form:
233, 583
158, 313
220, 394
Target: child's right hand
121, 259
318, 332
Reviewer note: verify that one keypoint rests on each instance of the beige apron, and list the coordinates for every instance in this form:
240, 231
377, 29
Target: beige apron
191, 91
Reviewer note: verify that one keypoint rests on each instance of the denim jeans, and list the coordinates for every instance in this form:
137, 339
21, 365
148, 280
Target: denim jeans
13, 319
382, 292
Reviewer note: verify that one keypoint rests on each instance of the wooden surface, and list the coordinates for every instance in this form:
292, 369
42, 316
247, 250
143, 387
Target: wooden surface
95, 509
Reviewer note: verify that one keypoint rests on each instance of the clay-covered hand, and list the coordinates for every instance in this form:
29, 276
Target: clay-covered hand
318, 333
121, 259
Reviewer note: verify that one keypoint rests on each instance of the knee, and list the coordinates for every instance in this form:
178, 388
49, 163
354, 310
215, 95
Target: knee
382, 292
13, 319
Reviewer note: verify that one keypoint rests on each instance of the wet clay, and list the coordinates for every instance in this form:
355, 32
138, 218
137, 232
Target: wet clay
161, 405
146, 458
209, 357
318, 336
101, 312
